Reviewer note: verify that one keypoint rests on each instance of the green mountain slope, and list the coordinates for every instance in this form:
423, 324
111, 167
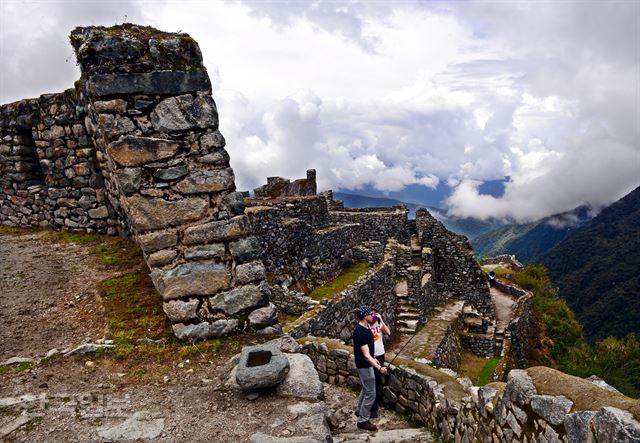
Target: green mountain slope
597, 269
531, 241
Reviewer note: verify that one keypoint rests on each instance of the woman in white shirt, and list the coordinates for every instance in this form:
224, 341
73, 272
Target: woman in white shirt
378, 328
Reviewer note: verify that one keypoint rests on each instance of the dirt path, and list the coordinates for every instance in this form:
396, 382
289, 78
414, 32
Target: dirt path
502, 303
47, 296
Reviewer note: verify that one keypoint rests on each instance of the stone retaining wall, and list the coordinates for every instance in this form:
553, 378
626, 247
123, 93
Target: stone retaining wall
507, 260
523, 333
335, 318
510, 289
536, 405
449, 351
296, 241
482, 345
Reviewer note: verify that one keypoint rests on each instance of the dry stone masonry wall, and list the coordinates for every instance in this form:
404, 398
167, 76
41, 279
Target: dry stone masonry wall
135, 149
456, 272
49, 174
154, 125
535, 405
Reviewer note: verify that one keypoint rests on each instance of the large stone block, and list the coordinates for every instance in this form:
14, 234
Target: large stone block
578, 427
180, 311
212, 140
185, 112
161, 258
173, 173
204, 330
218, 230
553, 409
202, 278
615, 425
520, 387
157, 82
245, 249
264, 316
250, 272
239, 299
207, 181
303, 380
115, 125
157, 213
129, 179
204, 252
135, 151
155, 241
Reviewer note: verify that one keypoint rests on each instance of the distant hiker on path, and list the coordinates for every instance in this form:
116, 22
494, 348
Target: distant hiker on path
378, 328
363, 350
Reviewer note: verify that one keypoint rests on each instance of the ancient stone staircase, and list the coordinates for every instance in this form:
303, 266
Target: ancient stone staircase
408, 315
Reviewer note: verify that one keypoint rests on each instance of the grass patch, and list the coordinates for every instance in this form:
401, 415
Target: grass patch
10, 230
340, 283
487, 372
119, 252
74, 237
134, 313
133, 309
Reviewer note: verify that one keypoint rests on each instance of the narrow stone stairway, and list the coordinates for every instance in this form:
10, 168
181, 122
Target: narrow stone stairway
408, 315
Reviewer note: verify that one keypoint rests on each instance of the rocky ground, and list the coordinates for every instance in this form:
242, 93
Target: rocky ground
170, 392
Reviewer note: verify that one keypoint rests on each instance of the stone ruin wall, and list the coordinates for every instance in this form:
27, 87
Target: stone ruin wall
534, 405
281, 187
457, 274
297, 242
135, 149
378, 224
49, 174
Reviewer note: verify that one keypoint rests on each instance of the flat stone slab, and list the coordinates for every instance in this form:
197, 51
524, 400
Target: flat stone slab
17, 360
261, 367
303, 380
141, 425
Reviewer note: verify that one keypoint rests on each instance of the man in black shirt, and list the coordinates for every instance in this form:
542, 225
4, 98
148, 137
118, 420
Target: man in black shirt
366, 364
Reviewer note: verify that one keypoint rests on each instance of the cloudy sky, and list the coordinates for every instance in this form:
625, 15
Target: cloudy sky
381, 95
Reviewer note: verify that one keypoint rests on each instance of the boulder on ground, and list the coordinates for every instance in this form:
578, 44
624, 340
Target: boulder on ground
261, 367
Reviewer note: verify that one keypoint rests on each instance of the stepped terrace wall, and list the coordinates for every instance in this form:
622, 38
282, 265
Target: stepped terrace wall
455, 270
335, 317
535, 405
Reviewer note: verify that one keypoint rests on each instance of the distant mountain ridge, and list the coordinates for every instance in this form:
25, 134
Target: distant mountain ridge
597, 269
532, 241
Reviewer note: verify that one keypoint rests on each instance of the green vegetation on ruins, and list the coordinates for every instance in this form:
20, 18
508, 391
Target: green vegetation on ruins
478, 369
341, 282
615, 360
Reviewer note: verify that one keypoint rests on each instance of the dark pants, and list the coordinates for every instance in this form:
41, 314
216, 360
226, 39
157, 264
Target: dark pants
378, 375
